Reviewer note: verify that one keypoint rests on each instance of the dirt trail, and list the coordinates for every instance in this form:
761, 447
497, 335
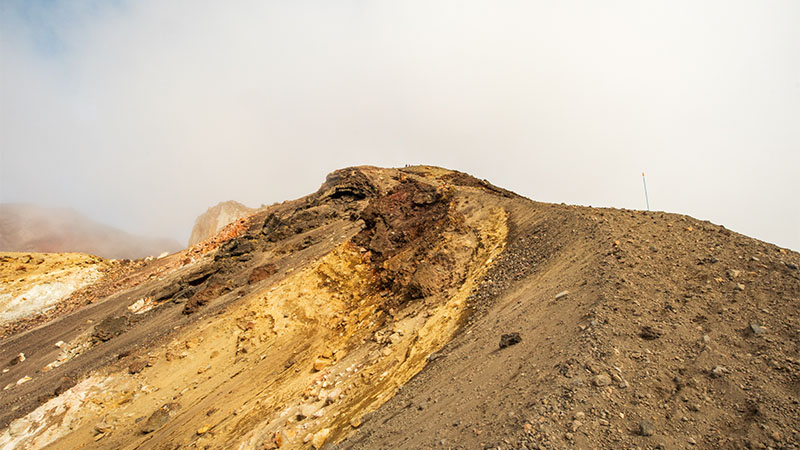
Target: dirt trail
369, 315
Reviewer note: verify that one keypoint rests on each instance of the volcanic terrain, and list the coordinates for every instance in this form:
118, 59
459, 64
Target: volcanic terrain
411, 308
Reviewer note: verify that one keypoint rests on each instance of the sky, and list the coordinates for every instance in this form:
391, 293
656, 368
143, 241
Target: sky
142, 114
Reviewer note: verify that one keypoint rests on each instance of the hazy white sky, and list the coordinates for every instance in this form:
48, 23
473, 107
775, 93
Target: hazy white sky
144, 113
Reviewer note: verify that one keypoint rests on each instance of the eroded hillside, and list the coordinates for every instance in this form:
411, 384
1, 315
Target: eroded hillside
368, 315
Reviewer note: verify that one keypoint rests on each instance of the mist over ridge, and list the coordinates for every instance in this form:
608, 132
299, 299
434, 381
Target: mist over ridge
143, 114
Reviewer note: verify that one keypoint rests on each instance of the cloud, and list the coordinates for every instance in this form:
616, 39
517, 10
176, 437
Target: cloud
142, 114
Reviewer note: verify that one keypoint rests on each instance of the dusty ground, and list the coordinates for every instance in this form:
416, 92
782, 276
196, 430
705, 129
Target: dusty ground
369, 315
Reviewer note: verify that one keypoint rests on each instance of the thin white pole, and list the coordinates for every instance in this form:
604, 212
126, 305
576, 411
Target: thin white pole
647, 200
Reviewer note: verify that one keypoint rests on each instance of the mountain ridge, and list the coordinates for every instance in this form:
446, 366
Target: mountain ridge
423, 308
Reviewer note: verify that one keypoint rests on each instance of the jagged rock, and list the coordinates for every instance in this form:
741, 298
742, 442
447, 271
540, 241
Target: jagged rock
510, 339
646, 428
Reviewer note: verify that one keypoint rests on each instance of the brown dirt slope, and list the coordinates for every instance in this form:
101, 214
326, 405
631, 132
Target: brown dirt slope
674, 333
369, 315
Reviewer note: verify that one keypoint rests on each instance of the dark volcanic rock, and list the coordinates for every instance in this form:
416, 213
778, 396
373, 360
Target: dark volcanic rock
110, 327
137, 366
649, 333
507, 340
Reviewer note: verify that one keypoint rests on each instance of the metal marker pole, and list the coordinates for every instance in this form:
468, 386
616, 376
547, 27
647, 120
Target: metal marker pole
647, 200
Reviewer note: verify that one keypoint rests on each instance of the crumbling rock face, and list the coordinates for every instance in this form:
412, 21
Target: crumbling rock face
405, 214
409, 234
463, 179
347, 185
213, 288
238, 248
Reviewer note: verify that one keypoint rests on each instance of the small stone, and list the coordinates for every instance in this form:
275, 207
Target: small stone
706, 339
575, 425
321, 363
137, 366
733, 273
691, 441
562, 294
792, 266
203, 430
756, 328
601, 380
579, 415
718, 371
306, 411
739, 287
646, 428
649, 333
102, 427
333, 395
319, 437
355, 422
510, 339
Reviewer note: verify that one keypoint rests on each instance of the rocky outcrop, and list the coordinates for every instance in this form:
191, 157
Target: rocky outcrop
213, 220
